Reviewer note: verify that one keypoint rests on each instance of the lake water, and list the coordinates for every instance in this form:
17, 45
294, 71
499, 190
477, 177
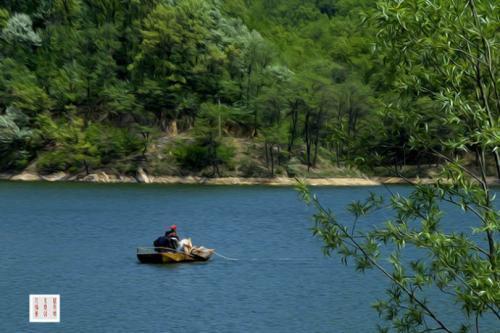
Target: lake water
79, 241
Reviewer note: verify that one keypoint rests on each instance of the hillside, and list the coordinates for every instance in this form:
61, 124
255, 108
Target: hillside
206, 88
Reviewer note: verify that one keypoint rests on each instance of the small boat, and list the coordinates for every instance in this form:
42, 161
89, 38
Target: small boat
157, 255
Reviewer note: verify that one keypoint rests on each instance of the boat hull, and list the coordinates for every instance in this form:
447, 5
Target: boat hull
168, 258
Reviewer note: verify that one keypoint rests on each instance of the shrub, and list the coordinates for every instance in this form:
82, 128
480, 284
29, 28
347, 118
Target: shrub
204, 153
76, 147
113, 143
252, 168
15, 138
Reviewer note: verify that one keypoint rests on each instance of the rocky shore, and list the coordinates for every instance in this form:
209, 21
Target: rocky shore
143, 177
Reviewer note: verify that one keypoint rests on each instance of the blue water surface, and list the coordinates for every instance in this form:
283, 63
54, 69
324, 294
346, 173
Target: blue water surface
79, 241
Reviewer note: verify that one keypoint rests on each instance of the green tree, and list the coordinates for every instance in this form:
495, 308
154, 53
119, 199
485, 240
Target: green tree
15, 138
19, 30
4, 17
172, 57
73, 151
20, 89
444, 51
212, 120
448, 51
274, 138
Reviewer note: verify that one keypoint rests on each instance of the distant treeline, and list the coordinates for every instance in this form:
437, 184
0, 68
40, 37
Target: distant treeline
88, 84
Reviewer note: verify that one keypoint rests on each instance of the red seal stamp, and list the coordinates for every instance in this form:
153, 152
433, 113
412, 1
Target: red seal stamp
45, 308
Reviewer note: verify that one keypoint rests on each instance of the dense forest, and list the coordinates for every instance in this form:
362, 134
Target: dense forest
212, 88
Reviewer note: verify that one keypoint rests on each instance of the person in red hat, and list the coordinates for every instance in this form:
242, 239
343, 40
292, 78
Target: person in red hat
172, 236
170, 240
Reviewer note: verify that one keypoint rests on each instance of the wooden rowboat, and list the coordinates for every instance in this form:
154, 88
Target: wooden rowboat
152, 255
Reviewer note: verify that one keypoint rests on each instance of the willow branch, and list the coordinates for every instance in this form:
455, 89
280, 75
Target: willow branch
422, 305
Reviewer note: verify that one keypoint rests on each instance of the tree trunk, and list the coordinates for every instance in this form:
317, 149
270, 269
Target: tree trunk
85, 164
267, 157
278, 157
315, 158
293, 128
337, 144
308, 140
215, 162
145, 136
219, 119
497, 163
419, 168
172, 128
489, 233
316, 139
271, 153
349, 115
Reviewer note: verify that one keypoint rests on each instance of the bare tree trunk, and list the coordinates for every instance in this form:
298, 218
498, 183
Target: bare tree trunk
293, 128
215, 162
266, 151
337, 145
404, 156
145, 136
349, 115
272, 159
316, 139
219, 118
85, 164
308, 140
315, 158
172, 128
278, 157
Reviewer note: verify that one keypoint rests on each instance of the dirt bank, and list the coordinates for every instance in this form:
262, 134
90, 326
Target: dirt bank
142, 177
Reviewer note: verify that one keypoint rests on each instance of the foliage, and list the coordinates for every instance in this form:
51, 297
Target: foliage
296, 78
204, 154
19, 29
72, 152
15, 139
19, 88
442, 56
210, 68
453, 263
4, 18
447, 51
75, 148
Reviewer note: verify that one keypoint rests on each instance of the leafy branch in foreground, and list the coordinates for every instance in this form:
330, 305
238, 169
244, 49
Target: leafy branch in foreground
446, 52
452, 263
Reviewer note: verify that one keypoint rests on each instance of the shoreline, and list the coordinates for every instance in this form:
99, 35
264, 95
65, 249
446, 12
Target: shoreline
143, 178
